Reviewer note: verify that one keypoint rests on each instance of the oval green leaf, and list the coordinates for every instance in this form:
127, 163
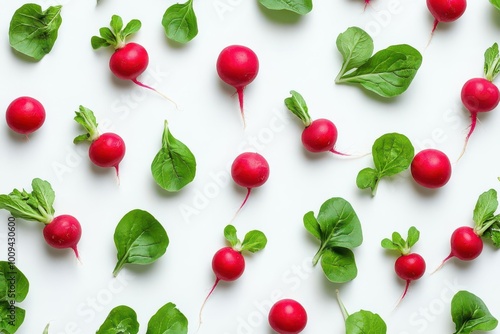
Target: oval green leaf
339, 265
168, 320
469, 313
180, 23
14, 286
139, 239
365, 322
121, 320
301, 7
10, 323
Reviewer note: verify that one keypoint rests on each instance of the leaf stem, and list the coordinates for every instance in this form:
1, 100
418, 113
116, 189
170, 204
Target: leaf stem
485, 227
119, 265
345, 314
318, 255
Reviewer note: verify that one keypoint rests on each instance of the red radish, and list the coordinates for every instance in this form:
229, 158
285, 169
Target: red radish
25, 115
431, 168
107, 149
63, 231
466, 245
287, 316
409, 266
228, 264
319, 135
249, 170
238, 66
446, 10
129, 59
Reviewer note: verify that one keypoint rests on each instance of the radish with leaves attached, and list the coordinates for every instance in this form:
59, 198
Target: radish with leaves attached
466, 242
228, 263
62, 231
249, 170
409, 266
319, 135
107, 149
129, 59
481, 94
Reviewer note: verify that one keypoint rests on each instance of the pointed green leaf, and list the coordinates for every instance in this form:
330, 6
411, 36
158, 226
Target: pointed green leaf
312, 225
297, 105
230, 235
469, 313
180, 23
168, 320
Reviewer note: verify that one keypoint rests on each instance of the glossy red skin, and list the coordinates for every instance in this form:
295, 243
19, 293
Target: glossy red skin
446, 10
129, 61
108, 150
480, 95
228, 264
250, 170
431, 168
410, 267
466, 244
287, 316
25, 115
320, 136
63, 231
237, 65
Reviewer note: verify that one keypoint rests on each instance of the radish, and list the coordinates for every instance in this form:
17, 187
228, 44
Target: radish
431, 168
249, 170
62, 231
107, 149
481, 94
319, 135
446, 10
238, 66
228, 263
409, 266
129, 59
287, 316
466, 242
25, 115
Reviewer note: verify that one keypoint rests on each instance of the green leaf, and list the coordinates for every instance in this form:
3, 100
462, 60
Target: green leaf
108, 35
365, 322
493, 232
98, 42
339, 265
254, 241
175, 165
139, 239
121, 320
168, 320
14, 286
388, 72
485, 208
85, 117
33, 32
116, 24
297, 105
469, 313
42, 191
180, 23
389, 244
495, 3
339, 224
392, 153
356, 47
11, 317
131, 28
312, 225
230, 235
301, 7
46, 329
413, 236
491, 62
400, 244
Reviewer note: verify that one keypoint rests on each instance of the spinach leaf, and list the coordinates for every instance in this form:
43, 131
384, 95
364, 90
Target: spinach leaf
11, 317
121, 320
32, 31
301, 7
168, 320
139, 239
180, 23
492, 61
14, 286
470, 314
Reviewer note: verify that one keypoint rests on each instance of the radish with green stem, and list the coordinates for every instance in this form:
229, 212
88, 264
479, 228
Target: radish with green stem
107, 149
249, 170
25, 115
238, 66
319, 135
361, 321
62, 231
228, 263
481, 94
129, 59
409, 266
287, 316
467, 242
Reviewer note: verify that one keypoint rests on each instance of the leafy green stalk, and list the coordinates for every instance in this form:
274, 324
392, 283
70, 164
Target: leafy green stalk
399, 244
297, 105
301, 7
338, 229
34, 206
491, 62
180, 22
46, 329
392, 154
117, 35
33, 32
85, 117
486, 222
470, 314
174, 166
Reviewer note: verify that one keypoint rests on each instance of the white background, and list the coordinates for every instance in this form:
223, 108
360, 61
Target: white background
295, 53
